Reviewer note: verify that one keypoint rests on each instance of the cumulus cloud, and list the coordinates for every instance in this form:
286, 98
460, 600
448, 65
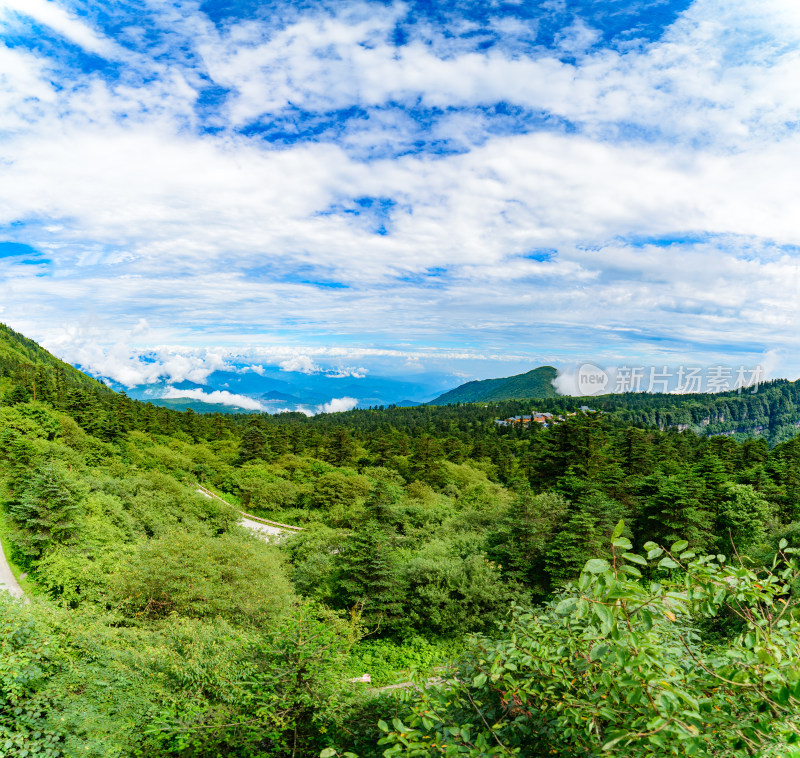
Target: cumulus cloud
220, 397
340, 372
223, 397
338, 405
121, 363
642, 203
301, 364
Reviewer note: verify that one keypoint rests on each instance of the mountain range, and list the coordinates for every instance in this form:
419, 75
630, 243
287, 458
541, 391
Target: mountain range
269, 389
273, 390
772, 413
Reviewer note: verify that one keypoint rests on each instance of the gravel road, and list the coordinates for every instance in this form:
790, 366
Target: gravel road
266, 528
7, 580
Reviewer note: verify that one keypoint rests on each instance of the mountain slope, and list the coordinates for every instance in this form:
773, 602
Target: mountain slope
38, 369
19, 350
537, 383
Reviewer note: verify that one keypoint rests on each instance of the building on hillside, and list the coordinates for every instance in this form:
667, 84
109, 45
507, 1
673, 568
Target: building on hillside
545, 419
535, 418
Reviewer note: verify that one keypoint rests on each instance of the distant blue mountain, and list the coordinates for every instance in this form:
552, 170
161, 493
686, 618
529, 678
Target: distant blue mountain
278, 390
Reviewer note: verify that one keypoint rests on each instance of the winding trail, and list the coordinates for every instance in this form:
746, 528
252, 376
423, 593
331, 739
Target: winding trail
7, 580
256, 523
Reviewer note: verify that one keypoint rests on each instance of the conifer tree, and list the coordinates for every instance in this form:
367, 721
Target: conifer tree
47, 510
254, 444
382, 500
369, 579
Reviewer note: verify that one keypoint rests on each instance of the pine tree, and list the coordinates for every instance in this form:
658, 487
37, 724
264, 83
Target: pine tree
341, 448
524, 535
254, 444
369, 578
381, 501
46, 511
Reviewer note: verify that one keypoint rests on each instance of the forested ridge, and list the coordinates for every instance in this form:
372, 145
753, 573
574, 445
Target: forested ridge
608, 584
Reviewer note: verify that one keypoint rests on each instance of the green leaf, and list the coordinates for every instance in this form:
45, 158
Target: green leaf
679, 546
597, 565
598, 652
479, 680
622, 542
608, 745
654, 553
383, 726
618, 529
650, 545
632, 570
604, 614
667, 563
398, 725
634, 558
783, 544
566, 606
328, 752
782, 696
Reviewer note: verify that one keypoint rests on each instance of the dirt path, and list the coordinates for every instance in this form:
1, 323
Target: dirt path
265, 526
7, 580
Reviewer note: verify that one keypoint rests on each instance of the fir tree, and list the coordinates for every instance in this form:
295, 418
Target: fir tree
46, 511
254, 444
370, 580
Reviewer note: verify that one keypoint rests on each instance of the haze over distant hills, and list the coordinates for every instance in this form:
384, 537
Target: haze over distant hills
273, 390
537, 383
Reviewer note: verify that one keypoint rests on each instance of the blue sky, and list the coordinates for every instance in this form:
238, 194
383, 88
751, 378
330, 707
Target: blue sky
468, 188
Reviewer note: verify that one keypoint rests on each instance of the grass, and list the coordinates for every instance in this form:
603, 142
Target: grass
389, 662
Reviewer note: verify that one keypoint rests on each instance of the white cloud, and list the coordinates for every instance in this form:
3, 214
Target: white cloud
221, 397
51, 14
84, 346
338, 405
301, 364
212, 237
340, 372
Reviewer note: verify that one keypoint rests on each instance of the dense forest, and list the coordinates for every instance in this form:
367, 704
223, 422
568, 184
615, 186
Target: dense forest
612, 583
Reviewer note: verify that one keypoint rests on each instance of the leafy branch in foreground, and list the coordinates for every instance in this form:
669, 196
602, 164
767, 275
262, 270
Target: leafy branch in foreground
620, 662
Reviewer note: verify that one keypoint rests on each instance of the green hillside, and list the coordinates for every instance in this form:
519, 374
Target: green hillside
39, 368
198, 406
538, 579
537, 383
